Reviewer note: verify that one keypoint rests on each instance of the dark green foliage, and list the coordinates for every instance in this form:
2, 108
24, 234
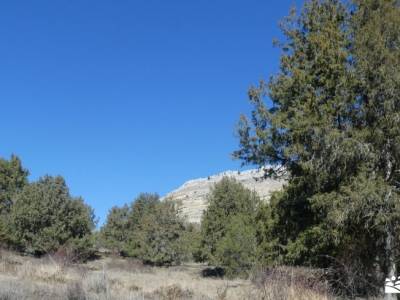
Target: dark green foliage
145, 204
116, 229
77, 250
332, 131
236, 251
191, 242
227, 228
158, 240
13, 177
44, 216
149, 230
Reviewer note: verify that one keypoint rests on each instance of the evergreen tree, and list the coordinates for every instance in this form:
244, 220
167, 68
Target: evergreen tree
331, 131
142, 206
13, 177
45, 217
149, 230
160, 238
116, 229
228, 220
376, 52
236, 251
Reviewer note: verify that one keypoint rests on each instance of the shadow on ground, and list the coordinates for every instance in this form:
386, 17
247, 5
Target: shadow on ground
213, 272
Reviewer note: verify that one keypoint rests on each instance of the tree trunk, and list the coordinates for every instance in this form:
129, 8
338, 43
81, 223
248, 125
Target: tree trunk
391, 272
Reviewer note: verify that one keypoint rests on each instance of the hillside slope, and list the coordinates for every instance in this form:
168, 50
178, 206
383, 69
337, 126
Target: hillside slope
192, 195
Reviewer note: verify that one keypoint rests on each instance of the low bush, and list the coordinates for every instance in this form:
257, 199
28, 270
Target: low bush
75, 291
291, 283
172, 292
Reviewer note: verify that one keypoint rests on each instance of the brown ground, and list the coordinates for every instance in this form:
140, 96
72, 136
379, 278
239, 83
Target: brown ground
117, 278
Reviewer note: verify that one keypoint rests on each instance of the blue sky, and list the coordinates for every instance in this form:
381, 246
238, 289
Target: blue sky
123, 97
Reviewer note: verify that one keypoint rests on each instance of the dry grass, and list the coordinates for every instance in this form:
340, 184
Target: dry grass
116, 278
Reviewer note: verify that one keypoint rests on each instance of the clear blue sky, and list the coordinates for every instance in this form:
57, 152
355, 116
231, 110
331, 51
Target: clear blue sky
123, 97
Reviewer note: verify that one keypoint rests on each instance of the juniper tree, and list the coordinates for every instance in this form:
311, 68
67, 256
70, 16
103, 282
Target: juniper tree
376, 51
150, 230
45, 216
159, 238
236, 250
13, 177
143, 205
227, 227
115, 231
331, 129
303, 129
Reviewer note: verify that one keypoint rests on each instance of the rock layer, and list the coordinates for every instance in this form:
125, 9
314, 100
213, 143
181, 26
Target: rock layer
191, 197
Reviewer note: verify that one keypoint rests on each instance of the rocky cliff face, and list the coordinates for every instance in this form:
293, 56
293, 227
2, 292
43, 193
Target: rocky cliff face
192, 195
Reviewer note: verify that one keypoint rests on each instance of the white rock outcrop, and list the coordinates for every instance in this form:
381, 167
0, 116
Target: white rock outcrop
191, 197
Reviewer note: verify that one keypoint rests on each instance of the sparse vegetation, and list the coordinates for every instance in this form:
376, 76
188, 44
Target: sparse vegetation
122, 279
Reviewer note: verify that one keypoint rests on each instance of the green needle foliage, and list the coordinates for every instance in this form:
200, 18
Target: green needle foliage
13, 177
331, 129
45, 217
116, 229
159, 240
228, 227
236, 251
150, 230
143, 206
42, 217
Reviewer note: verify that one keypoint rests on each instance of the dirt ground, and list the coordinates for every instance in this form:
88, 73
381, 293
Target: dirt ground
117, 278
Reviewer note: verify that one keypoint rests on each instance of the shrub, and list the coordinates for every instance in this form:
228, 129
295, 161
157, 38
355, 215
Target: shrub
149, 230
290, 283
140, 208
158, 239
76, 250
228, 227
116, 229
191, 242
236, 250
13, 177
75, 291
172, 292
44, 217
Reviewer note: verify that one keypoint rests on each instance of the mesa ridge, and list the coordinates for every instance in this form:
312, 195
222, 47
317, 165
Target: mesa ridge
191, 197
